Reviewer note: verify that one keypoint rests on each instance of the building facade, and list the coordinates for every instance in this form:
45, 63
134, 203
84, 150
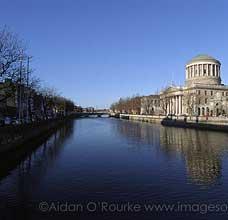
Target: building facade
202, 95
150, 105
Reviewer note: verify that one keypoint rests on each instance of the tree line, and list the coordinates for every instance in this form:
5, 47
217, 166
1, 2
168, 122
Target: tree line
20, 90
128, 105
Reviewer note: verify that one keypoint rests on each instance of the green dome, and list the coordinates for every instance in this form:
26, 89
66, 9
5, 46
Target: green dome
202, 57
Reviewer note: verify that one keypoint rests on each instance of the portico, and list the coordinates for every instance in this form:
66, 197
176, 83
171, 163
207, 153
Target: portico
174, 104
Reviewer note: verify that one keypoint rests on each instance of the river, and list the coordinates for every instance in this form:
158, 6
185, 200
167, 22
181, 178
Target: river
118, 169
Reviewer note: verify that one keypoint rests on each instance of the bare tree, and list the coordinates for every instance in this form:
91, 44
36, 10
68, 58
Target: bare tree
147, 104
128, 105
34, 85
34, 102
136, 104
11, 65
164, 104
191, 102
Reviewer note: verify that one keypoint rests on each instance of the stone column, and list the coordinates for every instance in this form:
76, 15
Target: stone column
169, 106
179, 105
173, 104
171, 101
182, 107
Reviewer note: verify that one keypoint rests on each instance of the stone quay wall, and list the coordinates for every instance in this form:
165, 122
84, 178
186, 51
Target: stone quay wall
13, 137
203, 122
143, 118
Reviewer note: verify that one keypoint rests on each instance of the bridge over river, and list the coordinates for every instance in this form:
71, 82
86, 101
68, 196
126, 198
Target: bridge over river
92, 114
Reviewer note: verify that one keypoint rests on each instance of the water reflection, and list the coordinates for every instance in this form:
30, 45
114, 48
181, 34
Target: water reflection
201, 150
139, 132
25, 167
34, 154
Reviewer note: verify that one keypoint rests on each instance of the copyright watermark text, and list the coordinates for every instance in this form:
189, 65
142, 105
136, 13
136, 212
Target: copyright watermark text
104, 206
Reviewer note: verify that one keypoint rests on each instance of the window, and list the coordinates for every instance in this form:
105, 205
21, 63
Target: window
198, 92
223, 93
211, 93
199, 101
226, 93
204, 69
203, 111
206, 101
205, 92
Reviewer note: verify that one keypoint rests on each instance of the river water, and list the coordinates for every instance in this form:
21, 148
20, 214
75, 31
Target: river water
104, 168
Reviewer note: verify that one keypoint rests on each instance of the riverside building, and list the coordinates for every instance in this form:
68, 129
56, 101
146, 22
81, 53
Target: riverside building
203, 93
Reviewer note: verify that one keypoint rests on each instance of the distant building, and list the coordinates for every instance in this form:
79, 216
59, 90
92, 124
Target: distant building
203, 93
89, 109
150, 105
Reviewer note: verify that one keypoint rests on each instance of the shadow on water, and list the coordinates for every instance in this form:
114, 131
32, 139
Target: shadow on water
202, 151
40, 150
29, 163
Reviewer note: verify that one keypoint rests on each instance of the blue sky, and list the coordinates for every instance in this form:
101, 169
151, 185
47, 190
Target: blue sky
95, 51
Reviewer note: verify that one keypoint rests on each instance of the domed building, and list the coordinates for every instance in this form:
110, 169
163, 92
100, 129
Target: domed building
202, 95
203, 69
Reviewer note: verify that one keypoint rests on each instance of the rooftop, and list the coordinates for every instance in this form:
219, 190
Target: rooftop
203, 57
